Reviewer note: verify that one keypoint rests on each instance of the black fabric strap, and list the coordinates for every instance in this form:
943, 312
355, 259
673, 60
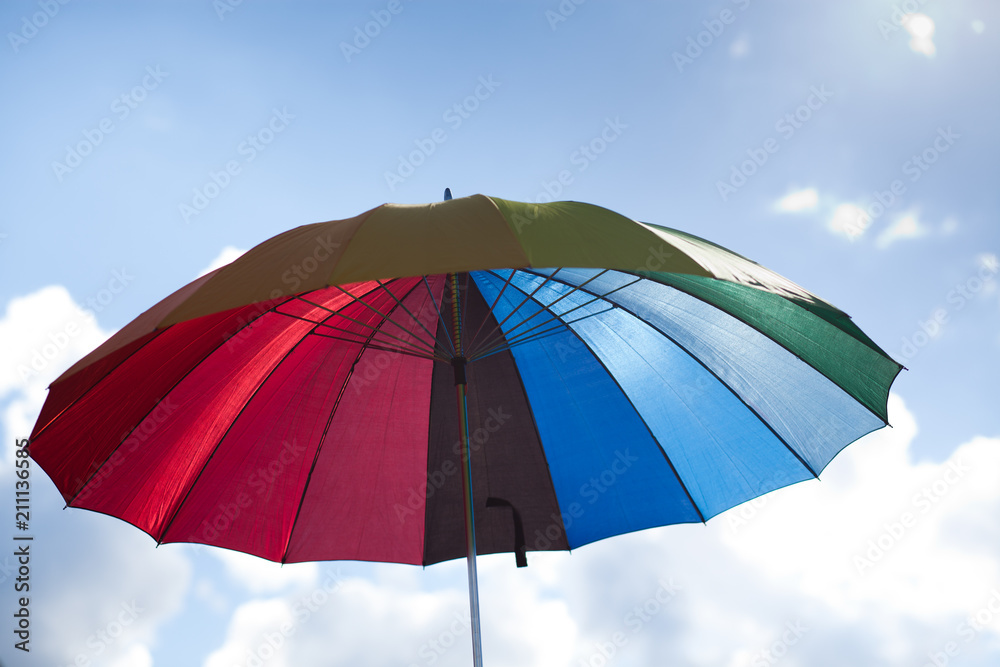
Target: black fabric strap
519, 551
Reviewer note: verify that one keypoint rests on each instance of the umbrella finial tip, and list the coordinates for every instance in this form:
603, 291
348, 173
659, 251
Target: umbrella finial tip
447, 194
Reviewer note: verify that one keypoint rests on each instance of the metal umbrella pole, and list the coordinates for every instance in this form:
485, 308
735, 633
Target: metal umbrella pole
458, 363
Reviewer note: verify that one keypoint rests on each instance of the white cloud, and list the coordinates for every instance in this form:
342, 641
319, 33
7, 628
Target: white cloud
793, 557
258, 575
798, 200
42, 334
228, 254
109, 601
905, 227
872, 567
137, 655
358, 621
978, 26
257, 635
988, 260
789, 560
867, 536
921, 29
849, 220
100, 590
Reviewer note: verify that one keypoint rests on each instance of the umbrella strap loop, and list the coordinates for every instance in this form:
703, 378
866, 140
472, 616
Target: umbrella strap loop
520, 556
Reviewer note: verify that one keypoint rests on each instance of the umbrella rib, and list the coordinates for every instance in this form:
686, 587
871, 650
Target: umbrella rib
430, 345
167, 393
777, 342
472, 341
639, 416
561, 297
497, 349
490, 339
723, 383
383, 348
136, 351
111, 370
507, 339
597, 297
498, 326
322, 439
384, 318
526, 298
322, 323
506, 345
222, 438
385, 287
440, 317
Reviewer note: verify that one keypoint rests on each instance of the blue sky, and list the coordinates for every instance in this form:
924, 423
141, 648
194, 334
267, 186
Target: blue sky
145, 142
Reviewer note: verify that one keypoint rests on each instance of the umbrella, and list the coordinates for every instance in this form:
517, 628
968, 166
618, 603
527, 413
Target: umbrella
422, 383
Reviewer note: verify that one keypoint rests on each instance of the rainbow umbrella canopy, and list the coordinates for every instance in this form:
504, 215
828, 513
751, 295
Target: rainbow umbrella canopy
315, 398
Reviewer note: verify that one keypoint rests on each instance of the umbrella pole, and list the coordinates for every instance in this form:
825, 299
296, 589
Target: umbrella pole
458, 363
470, 523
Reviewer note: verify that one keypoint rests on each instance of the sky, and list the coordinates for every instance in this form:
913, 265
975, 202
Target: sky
849, 146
